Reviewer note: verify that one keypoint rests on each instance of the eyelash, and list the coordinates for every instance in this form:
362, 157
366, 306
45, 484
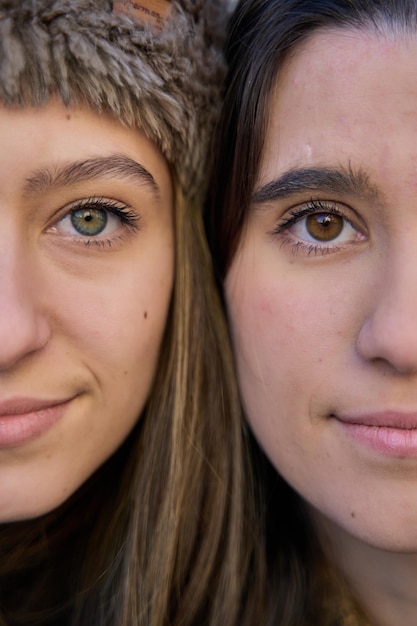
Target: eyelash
128, 218
314, 207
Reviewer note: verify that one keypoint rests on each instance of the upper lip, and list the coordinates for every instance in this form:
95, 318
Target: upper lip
21, 406
402, 420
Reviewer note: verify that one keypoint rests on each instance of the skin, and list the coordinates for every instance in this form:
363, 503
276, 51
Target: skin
82, 316
324, 331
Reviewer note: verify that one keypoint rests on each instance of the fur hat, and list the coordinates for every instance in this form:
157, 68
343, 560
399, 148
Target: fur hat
161, 72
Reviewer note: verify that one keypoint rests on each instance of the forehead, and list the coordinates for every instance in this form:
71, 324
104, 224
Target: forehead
340, 91
49, 149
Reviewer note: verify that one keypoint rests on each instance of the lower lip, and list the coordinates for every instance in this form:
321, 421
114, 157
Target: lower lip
399, 442
16, 430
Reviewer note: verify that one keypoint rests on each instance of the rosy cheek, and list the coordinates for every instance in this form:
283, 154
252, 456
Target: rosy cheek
267, 305
278, 308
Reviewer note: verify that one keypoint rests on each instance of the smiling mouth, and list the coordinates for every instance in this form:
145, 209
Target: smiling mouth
24, 419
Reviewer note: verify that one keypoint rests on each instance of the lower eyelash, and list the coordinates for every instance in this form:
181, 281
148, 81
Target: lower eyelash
108, 243
308, 249
100, 243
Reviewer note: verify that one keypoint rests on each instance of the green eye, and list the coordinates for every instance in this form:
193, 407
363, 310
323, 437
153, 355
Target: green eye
89, 221
95, 219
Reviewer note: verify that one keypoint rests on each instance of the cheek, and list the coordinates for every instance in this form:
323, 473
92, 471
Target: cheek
127, 319
266, 340
278, 330
292, 334
115, 320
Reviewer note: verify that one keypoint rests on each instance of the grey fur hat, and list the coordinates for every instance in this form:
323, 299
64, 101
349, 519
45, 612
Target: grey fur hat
162, 75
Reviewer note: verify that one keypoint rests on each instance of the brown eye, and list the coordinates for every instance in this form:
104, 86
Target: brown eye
324, 226
313, 225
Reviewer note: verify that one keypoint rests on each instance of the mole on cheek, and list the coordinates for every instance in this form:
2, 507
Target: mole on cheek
145, 315
68, 116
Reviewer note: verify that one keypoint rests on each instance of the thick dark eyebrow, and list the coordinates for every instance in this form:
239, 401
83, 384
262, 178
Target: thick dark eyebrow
113, 166
344, 181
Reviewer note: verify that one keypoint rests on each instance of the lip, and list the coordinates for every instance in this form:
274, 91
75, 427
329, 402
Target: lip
25, 419
392, 433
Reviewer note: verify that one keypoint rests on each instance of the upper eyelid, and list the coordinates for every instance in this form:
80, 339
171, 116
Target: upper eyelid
317, 205
308, 208
73, 205
312, 207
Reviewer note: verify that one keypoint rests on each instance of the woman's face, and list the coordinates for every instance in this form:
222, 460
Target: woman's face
86, 272
322, 294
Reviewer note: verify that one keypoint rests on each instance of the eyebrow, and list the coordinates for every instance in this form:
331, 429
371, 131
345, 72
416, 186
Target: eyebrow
113, 166
298, 180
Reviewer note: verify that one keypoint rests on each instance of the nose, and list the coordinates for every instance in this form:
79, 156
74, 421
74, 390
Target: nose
24, 329
389, 331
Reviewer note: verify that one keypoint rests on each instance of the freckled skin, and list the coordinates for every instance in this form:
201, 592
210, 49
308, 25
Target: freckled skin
72, 321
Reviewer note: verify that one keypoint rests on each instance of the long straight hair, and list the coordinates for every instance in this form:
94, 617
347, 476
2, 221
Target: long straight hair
300, 586
157, 536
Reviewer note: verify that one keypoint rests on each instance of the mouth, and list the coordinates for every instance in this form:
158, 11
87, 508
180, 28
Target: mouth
25, 419
392, 433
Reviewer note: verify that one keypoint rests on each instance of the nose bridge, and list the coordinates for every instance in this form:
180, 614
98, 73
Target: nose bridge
23, 329
389, 331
